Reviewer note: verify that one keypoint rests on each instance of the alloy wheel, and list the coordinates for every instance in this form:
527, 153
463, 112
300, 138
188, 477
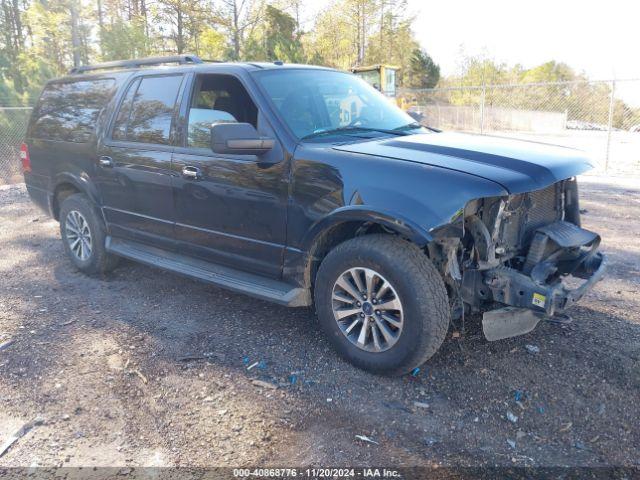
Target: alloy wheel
367, 309
78, 235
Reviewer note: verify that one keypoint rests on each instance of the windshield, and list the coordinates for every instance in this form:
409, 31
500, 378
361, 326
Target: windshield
320, 101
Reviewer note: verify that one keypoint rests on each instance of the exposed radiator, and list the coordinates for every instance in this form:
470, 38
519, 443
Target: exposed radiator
527, 212
545, 208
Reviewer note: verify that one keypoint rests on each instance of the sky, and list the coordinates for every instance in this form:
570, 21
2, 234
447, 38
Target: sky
601, 38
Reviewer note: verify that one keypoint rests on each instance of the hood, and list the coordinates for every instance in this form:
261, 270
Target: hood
518, 165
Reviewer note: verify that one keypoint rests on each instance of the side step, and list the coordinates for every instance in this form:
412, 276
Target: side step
242, 282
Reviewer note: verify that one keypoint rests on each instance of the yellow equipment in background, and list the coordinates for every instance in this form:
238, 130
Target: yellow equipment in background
383, 78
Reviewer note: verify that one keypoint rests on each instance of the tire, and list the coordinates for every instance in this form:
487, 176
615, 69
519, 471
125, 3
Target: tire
77, 212
424, 307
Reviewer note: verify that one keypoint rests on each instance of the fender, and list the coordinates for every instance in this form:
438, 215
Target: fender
330, 186
365, 213
80, 180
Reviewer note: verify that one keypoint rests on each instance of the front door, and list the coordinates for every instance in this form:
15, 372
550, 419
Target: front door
134, 162
230, 209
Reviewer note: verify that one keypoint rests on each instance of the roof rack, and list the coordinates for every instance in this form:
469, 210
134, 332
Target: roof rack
141, 62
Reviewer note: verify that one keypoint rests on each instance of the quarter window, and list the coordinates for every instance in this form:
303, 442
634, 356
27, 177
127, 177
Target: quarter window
68, 111
147, 110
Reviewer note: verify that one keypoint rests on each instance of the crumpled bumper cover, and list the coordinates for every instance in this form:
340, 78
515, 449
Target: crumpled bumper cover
532, 302
541, 284
514, 288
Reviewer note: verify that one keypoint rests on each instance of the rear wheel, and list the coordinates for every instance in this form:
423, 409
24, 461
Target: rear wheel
382, 303
83, 235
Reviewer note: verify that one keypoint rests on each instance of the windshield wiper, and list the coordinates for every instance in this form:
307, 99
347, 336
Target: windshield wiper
351, 128
415, 126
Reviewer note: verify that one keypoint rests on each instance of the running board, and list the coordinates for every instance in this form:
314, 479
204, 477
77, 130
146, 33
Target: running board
225, 277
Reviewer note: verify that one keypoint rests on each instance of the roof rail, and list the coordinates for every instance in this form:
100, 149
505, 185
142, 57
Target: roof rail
141, 62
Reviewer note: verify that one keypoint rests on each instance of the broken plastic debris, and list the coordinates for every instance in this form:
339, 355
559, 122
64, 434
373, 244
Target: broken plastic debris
567, 426
560, 319
532, 348
22, 431
512, 418
511, 443
6, 344
364, 438
415, 372
260, 383
141, 376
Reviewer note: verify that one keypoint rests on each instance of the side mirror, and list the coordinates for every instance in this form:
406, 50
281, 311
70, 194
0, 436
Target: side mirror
238, 139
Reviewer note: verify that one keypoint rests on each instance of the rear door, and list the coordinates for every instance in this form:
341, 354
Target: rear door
134, 162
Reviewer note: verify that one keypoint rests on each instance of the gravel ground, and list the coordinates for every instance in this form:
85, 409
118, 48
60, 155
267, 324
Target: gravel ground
146, 368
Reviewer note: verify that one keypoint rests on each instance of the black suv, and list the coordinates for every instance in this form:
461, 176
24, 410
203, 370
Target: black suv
304, 185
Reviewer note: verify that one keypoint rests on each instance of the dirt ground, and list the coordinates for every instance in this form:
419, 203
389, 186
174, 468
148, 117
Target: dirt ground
146, 368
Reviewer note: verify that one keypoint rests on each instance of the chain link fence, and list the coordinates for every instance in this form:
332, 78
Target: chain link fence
13, 124
591, 116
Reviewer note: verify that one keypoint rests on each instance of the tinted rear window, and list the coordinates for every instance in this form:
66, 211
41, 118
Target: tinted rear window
147, 110
68, 111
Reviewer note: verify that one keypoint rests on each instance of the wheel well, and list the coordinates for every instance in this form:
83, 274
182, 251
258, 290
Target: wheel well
334, 236
61, 192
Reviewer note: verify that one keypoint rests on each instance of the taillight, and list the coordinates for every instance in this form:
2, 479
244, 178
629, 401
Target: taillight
24, 156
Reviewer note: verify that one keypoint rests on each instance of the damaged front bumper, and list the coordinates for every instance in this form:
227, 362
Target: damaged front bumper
538, 288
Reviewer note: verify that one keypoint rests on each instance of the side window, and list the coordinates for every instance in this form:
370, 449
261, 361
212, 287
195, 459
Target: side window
68, 111
147, 109
217, 98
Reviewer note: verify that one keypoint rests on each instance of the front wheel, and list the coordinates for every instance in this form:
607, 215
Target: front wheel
382, 303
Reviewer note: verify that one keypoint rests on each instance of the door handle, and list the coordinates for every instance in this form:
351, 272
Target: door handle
192, 173
105, 162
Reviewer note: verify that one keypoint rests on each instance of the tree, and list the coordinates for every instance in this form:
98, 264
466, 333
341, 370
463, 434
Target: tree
14, 39
44, 38
120, 40
331, 40
238, 19
362, 14
211, 44
276, 38
423, 72
343, 31
185, 19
